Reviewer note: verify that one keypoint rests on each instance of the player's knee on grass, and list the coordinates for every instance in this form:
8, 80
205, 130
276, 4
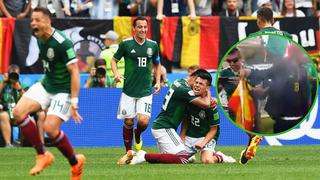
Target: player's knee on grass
208, 158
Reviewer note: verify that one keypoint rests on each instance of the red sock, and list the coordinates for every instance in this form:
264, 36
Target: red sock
250, 137
31, 133
138, 131
167, 158
127, 133
64, 146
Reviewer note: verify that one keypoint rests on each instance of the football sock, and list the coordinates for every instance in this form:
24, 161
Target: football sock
64, 146
127, 133
31, 133
219, 158
167, 158
138, 131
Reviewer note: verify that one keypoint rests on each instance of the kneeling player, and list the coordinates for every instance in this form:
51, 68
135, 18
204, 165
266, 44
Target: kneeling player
200, 131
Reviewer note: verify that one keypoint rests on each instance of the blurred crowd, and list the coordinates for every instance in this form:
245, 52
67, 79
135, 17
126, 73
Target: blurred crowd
107, 9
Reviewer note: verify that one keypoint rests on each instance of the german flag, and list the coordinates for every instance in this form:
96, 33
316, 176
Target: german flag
124, 27
200, 42
6, 37
242, 105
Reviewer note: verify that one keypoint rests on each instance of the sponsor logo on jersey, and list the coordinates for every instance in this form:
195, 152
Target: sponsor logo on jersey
202, 114
149, 52
50, 54
133, 51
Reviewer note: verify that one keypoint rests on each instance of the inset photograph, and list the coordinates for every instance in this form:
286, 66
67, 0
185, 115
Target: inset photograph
267, 84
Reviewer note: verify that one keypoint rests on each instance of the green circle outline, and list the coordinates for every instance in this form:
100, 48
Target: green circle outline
220, 67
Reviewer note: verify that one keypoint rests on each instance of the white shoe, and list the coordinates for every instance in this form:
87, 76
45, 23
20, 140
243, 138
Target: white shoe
138, 158
226, 159
192, 159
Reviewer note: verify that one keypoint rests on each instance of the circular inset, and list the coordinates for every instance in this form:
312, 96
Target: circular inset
267, 84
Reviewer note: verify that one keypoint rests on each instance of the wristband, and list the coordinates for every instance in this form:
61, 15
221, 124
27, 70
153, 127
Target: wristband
74, 100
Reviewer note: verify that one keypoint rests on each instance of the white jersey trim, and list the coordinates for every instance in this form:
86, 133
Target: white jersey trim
72, 61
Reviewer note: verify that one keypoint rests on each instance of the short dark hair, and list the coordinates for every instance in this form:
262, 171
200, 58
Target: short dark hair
13, 68
265, 14
203, 74
44, 11
139, 18
99, 62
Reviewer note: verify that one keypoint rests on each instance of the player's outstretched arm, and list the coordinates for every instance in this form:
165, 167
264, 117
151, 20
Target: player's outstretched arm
75, 86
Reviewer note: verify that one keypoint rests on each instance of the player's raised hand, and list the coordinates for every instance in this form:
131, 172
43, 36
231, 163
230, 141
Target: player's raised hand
156, 88
118, 77
75, 114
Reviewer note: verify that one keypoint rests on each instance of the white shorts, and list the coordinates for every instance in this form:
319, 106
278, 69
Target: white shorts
190, 143
129, 107
168, 141
59, 104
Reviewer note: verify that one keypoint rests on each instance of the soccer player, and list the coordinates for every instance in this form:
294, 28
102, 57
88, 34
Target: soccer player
200, 130
58, 90
139, 54
180, 94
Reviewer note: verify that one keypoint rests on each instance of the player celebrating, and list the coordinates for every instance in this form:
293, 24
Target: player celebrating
58, 90
172, 150
139, 54
200, 129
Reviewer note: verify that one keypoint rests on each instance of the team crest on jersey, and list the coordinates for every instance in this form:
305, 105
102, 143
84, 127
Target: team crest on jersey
50, 54
149, 52
191, 93
202, 114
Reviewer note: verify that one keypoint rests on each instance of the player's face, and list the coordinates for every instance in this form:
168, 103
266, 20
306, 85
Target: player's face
200, 87
232, 4
39, 23
235, 64
141, 29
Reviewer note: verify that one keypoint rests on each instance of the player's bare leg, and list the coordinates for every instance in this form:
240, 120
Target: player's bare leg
59, 138
28, 128
127, 134
143, 122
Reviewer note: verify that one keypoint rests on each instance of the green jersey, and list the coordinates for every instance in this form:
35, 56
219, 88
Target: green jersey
226, 76
201, 120
276, 45
138, 60
56, 53
174, 105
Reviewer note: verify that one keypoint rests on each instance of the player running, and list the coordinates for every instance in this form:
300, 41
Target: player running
58, 92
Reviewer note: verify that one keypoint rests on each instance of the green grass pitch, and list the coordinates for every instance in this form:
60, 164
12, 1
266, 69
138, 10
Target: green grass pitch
280, 162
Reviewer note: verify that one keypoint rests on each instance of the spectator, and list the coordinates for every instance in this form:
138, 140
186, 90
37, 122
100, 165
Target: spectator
104, 9
111, 42
55, 7
175, 8
144, 7
128, 7
97, 77
232, 9
81, 8
11, 91
17, 8
306, 6
163, 77
289, 9
267, 4
203, 7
